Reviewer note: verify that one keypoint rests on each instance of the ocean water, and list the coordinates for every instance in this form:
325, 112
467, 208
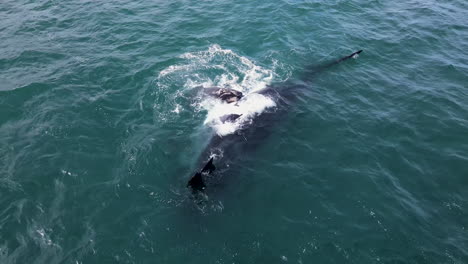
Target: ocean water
101, 127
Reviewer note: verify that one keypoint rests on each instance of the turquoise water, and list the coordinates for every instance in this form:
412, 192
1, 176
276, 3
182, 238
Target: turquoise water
100, 130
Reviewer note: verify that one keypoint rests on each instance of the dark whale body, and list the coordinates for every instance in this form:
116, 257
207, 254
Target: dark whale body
226, 150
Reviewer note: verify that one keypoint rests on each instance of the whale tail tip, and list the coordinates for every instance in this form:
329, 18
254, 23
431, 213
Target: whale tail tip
353, 55
314, 69
356, 54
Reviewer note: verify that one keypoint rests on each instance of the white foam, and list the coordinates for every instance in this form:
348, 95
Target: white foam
223, 68
248, 107
172, 69
177, 109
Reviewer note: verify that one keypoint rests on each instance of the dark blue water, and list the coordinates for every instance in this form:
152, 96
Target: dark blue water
100, 129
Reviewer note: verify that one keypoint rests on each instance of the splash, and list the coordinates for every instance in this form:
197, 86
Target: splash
250, 106
222, 68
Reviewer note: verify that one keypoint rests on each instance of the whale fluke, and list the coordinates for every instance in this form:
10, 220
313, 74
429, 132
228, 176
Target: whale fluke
312, 70
353, 55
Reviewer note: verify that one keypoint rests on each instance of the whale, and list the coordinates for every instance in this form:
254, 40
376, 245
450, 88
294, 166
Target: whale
227, 95
224, 152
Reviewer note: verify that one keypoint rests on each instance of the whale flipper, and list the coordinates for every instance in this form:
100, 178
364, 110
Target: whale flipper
196, 183
209, 167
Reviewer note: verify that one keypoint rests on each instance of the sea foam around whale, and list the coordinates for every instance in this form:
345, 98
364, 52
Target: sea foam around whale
223, 68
